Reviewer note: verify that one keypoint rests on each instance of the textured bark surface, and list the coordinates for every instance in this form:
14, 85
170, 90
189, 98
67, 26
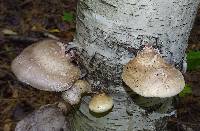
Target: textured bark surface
109, 34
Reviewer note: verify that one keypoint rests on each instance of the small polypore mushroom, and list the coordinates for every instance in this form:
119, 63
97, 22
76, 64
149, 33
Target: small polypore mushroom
101, 103
150, 76
73, 95
45, 66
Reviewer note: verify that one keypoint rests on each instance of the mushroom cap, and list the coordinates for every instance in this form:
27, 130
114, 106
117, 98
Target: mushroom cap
73, 95
46, 118
150, 76
82, 85
44, 66
101, 103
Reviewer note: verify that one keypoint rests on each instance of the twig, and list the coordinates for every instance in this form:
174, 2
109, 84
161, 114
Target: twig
23, 39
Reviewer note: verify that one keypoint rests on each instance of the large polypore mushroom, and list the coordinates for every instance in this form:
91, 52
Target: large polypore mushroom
73, 95
150, 76
45, 66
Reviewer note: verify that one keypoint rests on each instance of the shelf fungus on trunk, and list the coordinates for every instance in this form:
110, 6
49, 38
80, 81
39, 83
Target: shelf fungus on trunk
101, 103
45, 66
149, 75
73, 95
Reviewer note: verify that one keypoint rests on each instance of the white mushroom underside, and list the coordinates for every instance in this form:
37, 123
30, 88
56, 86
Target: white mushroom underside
73, 95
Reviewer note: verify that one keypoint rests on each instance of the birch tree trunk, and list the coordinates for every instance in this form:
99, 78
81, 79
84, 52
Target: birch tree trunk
109, 33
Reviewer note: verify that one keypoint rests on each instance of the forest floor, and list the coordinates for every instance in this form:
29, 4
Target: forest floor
26, 21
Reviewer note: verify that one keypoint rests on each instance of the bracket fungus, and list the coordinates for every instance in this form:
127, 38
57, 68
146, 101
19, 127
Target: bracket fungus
150, 76
45, 66
101, 103
46, 118
73, 95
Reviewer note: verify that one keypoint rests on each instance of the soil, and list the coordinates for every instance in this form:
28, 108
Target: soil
23, 22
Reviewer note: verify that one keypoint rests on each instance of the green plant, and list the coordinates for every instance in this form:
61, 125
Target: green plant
67, 16
193, 60
186, 91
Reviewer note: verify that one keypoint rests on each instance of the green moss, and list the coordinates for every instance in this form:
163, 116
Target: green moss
186, 91
193, 60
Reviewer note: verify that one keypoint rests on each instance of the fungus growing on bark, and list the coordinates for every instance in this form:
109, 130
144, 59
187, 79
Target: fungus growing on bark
45, 66
46, 118
150, 76
101, 103
73, 95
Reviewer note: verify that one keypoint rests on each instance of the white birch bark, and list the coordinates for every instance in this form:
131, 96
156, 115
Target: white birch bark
109, 33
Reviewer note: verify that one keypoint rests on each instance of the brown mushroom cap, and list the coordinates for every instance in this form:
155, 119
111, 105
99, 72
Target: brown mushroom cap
150, 76
73, 95
101, 103
44, 66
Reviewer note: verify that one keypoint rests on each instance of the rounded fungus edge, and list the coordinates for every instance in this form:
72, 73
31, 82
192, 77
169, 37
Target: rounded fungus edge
150, 76
44, 66
101, 103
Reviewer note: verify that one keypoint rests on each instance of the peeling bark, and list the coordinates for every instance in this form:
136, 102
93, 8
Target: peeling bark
109, 33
